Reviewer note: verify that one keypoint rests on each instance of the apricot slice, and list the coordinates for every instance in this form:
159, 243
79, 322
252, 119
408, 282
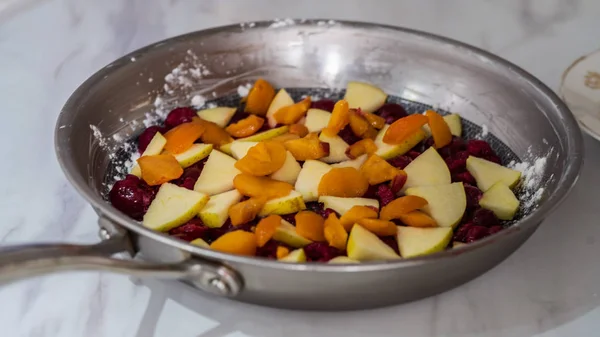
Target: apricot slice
246, 127
344, 182
356, 213
340, 117
262, 159
377, 170
375, 121
361, 147
403, 128
237, 242
309, 147
417, 219
402, 205
292, 113
246, 210
159, 169
266, 228
358, 124
282, 252
261, 186
298, 129
259, 98
378, 226
310, 225
334, 232
370, 134
214, 134
440, 131
181, 137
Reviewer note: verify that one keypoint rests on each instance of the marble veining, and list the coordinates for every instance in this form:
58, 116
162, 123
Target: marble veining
548, 288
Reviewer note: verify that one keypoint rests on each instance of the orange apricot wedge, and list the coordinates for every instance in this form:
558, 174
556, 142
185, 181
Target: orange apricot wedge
237, 242
282, 252
214, 134
417, 219
309, 147
266, 228
259, 98
246, 127
378, 226
268, 188
377, 170
263, 159
401, 206
310, 225
183, 136
358, 124
440, 131
340, 117
159, 169
292, 113
403, 128
299, 129
246, 210
346, 182
356, 213
365, 146
334, 232
374, 120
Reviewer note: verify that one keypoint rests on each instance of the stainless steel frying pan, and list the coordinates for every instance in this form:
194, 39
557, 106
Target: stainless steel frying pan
483, 88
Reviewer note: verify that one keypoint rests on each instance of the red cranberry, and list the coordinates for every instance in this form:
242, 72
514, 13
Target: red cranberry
179, 116
391, 112
465, 177
457, 163
320, 209
371, 192
413, 154
269, 250
400, 162
324, 104
456, 145
192, 230
494, 229
291, 218
391, 241
321, 252
398, 182
473, 196
461, 233
238, 116
385, 194
348, 136
486, 218
132, 196
481, 149
146, 136
476, 233
190, 175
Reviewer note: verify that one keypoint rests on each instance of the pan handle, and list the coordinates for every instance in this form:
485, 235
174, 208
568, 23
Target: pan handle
24, 261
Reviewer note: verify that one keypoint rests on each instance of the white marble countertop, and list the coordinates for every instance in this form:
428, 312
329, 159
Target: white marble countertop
547, 288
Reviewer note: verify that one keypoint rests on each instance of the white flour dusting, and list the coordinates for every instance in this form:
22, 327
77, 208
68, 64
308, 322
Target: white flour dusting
243, 90
533, 178
198, 101
282, 23
484, 131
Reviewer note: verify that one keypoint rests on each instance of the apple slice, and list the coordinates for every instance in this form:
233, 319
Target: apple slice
289, 171
427, 169
272, 133
156, 145
454, 123
342, 260
291, 203
355, 163
316, 120
337, 148
366, 246
240, 149
194, 154
343, 205
286, 233
220, 115
446, 204
388, 151
415, 241
365, 96
487, 173
217, 174
500, 200
215, 213
281, 100
173, 206
295, 256
309, 178
200, 243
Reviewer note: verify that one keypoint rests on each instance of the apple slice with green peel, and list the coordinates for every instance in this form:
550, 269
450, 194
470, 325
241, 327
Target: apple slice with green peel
343, 205
286, 233
240, 149
487, 173
418, 241
355, 163
366, 246
500, 200
215, 213
316, 120
173, 206
156, 145
454, 123
389, 151
257, 137
342, 260
309, 178
365, 96
446, 204
337, 148
427, 169
456, 244
289, 171
217, 174
291, 203
200, 243
220, 115
295, 256
194, 154
281, 100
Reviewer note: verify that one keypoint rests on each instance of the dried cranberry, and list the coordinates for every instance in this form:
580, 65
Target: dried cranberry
413, 154
461, 233
456, 145
132, 196
494, 229
473, 196
269, 250
494, 158
391, 112
320, 209
238, 116
391, 241
192, 230
321, 252
476, 233
481, 149
291, 218
457, 163
179, 116
323, 104
485, 217
190, 175
146, 136
385, 194
465, 177
400, 162
371, 192
348, 136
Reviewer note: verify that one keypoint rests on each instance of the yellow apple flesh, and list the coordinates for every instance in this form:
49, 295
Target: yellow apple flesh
220, 115
487, 173
365, 96
366, 246
500, 200
291, 203
217, 174
337, 149
415, 241
215, 213
446, 204
427, 169
343, 205
156, 145
173, 206
309, 178
281, 99
286, 233
316, 120
194, 154
388, 151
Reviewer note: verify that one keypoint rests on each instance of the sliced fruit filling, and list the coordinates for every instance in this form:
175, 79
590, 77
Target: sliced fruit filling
305, 180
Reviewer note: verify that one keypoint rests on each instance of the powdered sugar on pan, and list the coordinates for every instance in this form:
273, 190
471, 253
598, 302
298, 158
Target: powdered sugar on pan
533, 179
198, 101
243, 90
282, 23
